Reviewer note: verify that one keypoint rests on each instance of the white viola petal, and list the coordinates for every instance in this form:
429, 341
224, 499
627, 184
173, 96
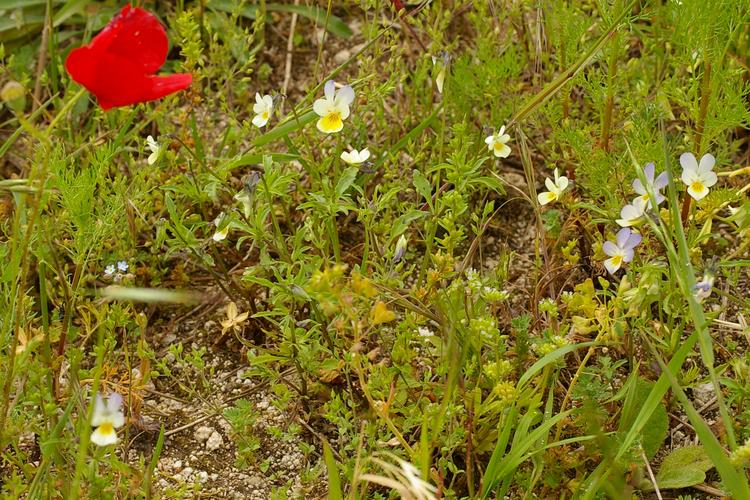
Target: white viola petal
550, 185
709, 179
440, 79
610, 265
490, 140
118, 419
258, 98
343, 110
503, 151
661, 181
259, 121
152, 158
504, 138
609, 248
502, 131
104, 436
622, 237
330, 90
364, 154
546, 197
321, 107
562, 183
707, 163
268, 101
638, 187
345, 95
688, 161
100, 408
688, 177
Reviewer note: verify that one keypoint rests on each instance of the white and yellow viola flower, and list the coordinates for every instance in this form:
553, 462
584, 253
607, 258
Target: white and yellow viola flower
155, 150
498, 143
107, 417
333, 109
441, 67
554, 189
633, 213
354, 157
698, 177
262, 108
222, 228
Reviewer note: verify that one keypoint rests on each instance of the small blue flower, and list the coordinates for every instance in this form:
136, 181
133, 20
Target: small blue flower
109, 270
122, 266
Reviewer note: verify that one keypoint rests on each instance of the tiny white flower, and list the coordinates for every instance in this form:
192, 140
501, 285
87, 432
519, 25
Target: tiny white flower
554, 189
620, 251
498, 143
109, 270
354, 157
656, 185
333, 109
106, 418
262, 108
122, 266
155, 150
632, 214
698, 177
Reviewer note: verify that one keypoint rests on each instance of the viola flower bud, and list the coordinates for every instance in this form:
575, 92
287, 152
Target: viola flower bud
13, 95
400, 249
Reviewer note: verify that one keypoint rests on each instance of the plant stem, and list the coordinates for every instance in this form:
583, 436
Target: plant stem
699, 130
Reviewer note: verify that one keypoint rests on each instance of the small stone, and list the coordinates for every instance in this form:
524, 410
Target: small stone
203, 433
341, 57
215, 441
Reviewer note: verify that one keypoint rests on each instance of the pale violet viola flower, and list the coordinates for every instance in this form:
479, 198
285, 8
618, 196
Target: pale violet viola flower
702, 290
155, 150
656, 185
498, 143
354, 157
122, 266
333, 109
633, 214
554, 189
620, 251
262, 108
106, 418
698, 177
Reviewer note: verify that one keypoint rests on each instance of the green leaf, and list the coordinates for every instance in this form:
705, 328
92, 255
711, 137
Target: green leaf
346, 181
684, 467
318, 15
334, 481
422, 185
655, 431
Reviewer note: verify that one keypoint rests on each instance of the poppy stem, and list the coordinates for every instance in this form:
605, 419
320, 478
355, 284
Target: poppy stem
64, 111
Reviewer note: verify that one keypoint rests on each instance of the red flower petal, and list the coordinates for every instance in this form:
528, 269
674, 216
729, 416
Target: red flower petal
118, 65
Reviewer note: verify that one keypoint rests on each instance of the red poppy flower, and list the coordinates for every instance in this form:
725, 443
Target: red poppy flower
119, 65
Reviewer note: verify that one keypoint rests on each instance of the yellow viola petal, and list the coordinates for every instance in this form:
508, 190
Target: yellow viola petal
330, 123
381, 314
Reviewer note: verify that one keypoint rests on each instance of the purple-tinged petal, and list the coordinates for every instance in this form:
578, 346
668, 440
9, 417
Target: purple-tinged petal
638, 187
622, 237
648, 171
633, 241
661, 181
627, 255
114, 402
330, 90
